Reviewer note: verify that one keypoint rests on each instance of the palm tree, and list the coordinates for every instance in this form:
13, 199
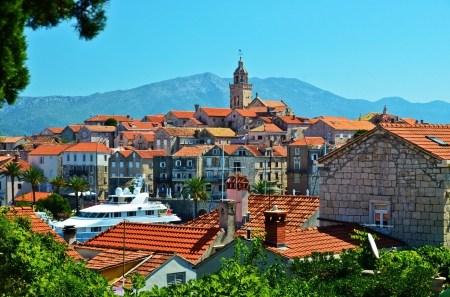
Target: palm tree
35, 177
57, 183
77, 185
13, 170
262, 187
196, 187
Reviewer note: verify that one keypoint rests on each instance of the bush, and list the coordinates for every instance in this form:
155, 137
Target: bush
56, 204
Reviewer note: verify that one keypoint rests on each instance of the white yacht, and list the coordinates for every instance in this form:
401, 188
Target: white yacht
124, 205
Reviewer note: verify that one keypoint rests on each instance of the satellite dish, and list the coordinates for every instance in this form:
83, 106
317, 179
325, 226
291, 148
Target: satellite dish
373, 246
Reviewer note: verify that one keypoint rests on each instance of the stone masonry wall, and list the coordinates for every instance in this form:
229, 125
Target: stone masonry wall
385, 168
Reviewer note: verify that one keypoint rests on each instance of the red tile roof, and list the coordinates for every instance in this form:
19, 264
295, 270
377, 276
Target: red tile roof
103, 118
301, 242
179, 131
29, 196
48, 150
89, 147
273, 103
299, 208
293, 119
38, 225
410, 121
189, 242
181, 114
258, 109
125, 153
221, 132
193, 151
348, 125
8, 139
266, 119
75, 128
279, 150
416, 135
149, 154
155, 118
109, 258
98, 128
247, 113
55, 130
149, 136
267, 128
307, 141
7, 159
197, 121
216, 112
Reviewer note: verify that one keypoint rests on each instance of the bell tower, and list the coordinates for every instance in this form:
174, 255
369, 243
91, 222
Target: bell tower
240, 89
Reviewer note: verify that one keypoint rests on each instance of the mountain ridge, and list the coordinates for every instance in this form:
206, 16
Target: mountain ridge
32, 115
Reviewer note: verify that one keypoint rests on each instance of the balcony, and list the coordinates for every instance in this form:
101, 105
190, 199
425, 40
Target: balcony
78, 172
162, 179
213, 179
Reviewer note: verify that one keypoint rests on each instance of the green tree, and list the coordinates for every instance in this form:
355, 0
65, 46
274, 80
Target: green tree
16, 14
35, 264
359, 133
12, 170
77, 185
262, 187
111, 122
57, 183
34, 176
196, 188
56, 204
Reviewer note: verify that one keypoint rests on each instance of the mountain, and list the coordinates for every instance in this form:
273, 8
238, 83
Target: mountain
33, 114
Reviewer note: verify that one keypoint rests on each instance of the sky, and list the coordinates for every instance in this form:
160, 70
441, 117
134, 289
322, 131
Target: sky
355, 49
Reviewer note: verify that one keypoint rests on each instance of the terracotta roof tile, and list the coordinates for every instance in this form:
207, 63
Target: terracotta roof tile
109, 258
416, 135
8, 139
197, 121
181, 114
293, 119
267, 119
193, 151
89, 147
103, 118
75, 128
307, 141
149, 154
267, 128
155, 118
301, 242
258, 109
410, 121
38, 225
188, 242
299, 208
29, 196
249, 113
349, 125
180, 131
149, 136
253, 149
125, 153
273, 103
98, 128
224, 132
216, 112
5, 160
48, 150
279, 150
55, 130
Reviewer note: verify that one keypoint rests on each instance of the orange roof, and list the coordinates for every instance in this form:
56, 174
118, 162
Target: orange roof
89, 147
129, 135
103, 118
155, 118
29, 196
180, 131
308, 141
416, 135
266, 119
293, 119
279, 150
75, 128
193, 151
109, 258
149, 154
301, 242
267, 128
349, 125
39, 226
216, 112
149, 136
7, 139
182, 114
197, 121
257, 109
55, 130
142, 125
221, 132
273, 103
189, 242
299, 208
48, 150
247, 113
230, 148
7, 159
98, 128
125, 153
254, 149
410, 121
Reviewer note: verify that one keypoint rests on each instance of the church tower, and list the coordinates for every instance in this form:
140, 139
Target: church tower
240, 90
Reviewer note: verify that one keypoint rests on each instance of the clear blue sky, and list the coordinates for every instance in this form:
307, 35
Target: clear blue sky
356, 49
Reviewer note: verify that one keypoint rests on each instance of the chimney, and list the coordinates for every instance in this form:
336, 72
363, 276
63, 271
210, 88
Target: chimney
196, 107
275, 227
16, 157
69, 233
293, 116
237, 190
227, 216
421, 121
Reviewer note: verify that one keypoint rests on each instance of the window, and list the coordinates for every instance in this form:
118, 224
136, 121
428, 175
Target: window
276, 164
165, 142
130, 164
237, 165
245, 127
117, 214
131, 213
163, 175
261, 177
121, 164
137, 164
314, 156
91, 168
91, 179
177, 163
162, 164
113, 164
96, 229
84, 157
209, 174
349, 135
297, 164
379, 214
176, 278
215, 152
261, 165
19, 186
51, 160
341, 135
158, 143
297, 151
105, 158
329, 135
208, 162
297, 179
241, 153
149, 212
74, 157
259, 137
189, 163
41, 160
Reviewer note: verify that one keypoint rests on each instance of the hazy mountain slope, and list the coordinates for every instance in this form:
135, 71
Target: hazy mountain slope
33, 114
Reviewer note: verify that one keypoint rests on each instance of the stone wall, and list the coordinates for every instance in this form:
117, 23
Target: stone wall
381, 170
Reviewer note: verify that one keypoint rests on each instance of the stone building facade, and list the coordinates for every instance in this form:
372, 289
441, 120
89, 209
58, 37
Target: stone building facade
394, 179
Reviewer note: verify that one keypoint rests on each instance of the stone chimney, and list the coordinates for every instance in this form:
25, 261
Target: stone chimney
237, 190
275, 227
227, 216
69, 233
196, 107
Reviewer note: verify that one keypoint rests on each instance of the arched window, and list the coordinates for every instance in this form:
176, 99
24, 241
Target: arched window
177, 163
